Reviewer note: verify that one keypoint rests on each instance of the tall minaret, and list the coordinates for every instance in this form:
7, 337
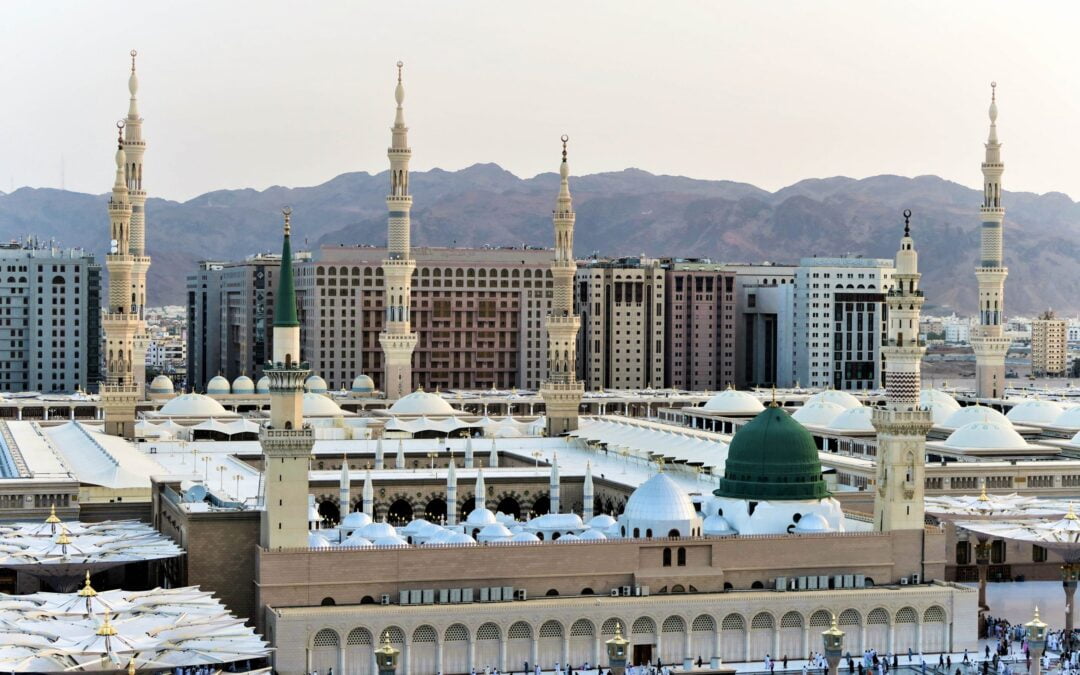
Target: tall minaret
553, 485
902, 424
562, 392
451, 493
397, 339
344, 497
587, 495
134, 147
286, 441
368, 495
989, 341
119, 391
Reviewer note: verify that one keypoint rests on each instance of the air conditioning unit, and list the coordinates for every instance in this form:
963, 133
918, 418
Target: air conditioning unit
644, 591
903, 581
626, 591
614, 592
637, 591
519, 594
385, 599
916, 579
780, 583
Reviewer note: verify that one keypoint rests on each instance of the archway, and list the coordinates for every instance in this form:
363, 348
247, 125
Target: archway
541, 506
329, 511
435, 510
510, 507
399, 513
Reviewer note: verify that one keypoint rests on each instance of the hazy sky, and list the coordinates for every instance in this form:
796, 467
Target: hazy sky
253, 94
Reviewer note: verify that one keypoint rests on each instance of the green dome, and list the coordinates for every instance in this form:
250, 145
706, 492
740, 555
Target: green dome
773, 457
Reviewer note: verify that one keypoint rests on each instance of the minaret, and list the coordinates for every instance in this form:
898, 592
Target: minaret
493, 455
379, 455
344, 498
451, 494
562, 392
134, 147
902, 424
120, 391
399, 460
369, 496
286, 441
553, 485
989, 341
397, 339
479, 497
468, 452
587, 494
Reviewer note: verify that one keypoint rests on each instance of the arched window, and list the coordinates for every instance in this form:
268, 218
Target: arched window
681, 557
667, 557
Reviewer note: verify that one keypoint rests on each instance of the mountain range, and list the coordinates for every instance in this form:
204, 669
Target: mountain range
629, 212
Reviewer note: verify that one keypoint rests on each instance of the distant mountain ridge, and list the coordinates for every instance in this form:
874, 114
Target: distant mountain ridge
625, 212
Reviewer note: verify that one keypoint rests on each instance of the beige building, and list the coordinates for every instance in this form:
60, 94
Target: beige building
622, 307
1049, 348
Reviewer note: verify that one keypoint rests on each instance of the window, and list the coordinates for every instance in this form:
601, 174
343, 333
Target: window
667, 557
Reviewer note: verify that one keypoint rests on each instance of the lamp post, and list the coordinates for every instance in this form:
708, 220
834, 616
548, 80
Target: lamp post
1070, 574
616, 652
221, 477
386, 657
982, 561
834, 645
206, 468
1036, 638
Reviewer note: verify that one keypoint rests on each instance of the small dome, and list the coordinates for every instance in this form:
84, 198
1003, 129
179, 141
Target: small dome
1070, 419
459, 538
243, 385
974, 413
263, 385
840, 398
568, 538
556, 522
812, 522
356, 541
818, 413
733, 402
601, 522
419, 527
315, 385
941, 404
524, 537
421, 403
375, 530
161, 385
660, 498
986, 435
505, 518
217, 386
773, 457
481, 517
439, 537
355, 520
592, 535
1035, 411
192, 405
320, 405
316, 540
717, 526
854, 420
494, 532
390, 541
362, 384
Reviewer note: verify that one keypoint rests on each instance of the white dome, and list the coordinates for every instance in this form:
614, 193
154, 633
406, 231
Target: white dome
362, 384
1070, 419
392, 541
659, 498
853, 419
974, 413
592, 535
481, 517
505, 518
817, 413
243, 385
524, 536
716, 526
315, 385
568, 537
419, 527
320, 405
1035, 411
161, 385
439, 537
263, 385
941, 404
840, 398
812, 522
601, 522
421, 403
217, 386
988, 435
355, 520
554, 522
192, 405
494, 532
316, 540
356, 541
375, 530
734, 402
459, 538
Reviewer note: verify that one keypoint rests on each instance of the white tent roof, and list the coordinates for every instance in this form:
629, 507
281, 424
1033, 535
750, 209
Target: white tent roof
97, 458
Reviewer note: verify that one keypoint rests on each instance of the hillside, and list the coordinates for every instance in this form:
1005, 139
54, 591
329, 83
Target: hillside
627, 212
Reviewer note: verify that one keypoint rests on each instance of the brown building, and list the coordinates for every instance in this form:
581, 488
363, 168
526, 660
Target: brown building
699, 325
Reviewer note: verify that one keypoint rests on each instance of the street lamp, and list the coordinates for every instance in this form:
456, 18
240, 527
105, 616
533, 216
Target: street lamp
206, 468
616, 652
386, 657
1036, 639
834, 645
221, 477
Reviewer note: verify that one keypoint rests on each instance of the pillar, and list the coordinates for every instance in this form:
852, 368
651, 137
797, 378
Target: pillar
688, 658
438, 656
502, 655
1070, 573
714, 660
534, 651
565, 660
472, 653
982, 561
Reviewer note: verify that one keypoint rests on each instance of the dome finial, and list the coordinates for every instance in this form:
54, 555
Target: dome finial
907, 222
400, 65
133, 55
565, 139
993, 92
773, 403
287, 212
120, 134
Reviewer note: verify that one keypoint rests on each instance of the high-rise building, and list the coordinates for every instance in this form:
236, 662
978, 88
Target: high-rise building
397, 339
989, 340
840, 318
1049, 348
50, 318
203, 322
621, 304
765, 322
561, 391
699, 337
902, 423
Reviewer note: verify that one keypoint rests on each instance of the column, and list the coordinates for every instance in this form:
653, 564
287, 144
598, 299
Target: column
438, 656
688, 658
714, 660
534, 651
45, 413
775, 651
565, 660
892, 638
918, 636
502, 655
472, 652
595, 660
406, 657
982, 561
1070, 572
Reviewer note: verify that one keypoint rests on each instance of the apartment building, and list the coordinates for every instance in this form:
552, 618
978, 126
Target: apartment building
765, 324
1049, 348
699, 326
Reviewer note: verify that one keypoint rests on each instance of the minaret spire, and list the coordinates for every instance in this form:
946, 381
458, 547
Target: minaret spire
561, 391
134, 148
989, 341
451, 493
397, 339
902, 424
